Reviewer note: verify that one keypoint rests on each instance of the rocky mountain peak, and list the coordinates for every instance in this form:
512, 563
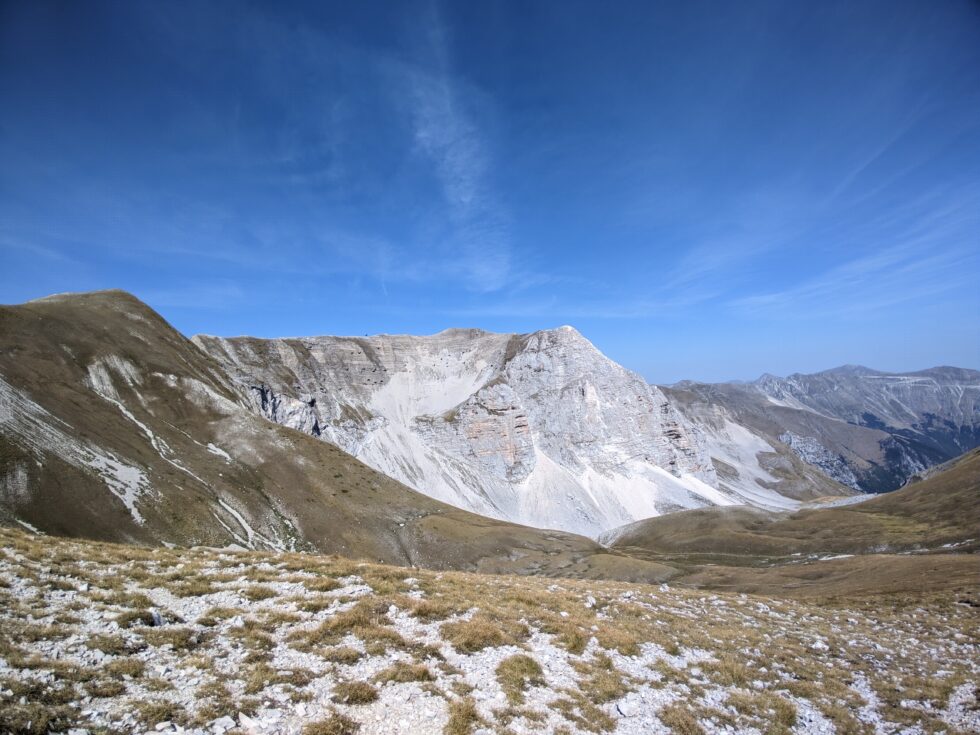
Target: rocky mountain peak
541, 428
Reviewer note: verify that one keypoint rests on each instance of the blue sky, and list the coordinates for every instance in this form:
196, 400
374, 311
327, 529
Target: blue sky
707, 190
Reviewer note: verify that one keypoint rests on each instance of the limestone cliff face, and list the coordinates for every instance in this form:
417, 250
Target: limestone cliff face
589, 411
539, 428
490, 429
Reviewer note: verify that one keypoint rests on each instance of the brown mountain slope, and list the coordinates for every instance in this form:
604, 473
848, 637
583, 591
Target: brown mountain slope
114, 426
941, 510
921, 538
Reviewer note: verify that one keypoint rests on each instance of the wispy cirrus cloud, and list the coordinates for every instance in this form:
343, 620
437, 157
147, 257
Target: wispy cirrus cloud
446, 130
917, 257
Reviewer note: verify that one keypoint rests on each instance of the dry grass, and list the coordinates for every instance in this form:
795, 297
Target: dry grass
125, 667
33, 718
430, 610
258, 592
114, 645
154, 711
335, 724
341, 655
178, 638
321, 584
516, 674
582, 713
728, 670
680, 720
194, 588
464, 717
775, 714
104, 688
401, 672
916, 648
354, 692
483, 631
601, 681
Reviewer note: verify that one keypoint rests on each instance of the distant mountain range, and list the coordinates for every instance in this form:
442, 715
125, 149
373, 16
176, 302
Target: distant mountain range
113, 425
866, 429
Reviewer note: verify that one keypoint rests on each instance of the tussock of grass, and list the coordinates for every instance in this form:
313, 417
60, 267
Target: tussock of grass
482, 631
619, 639
601, 682
578, 710
252, 636
125, 599
463, 717
122, 667
132, 618
401, 673
341, 655
104, 688
276, 618
114, 645
178, 638
34, 633
429, 610
367, 620
680, 720
215, 615
335, 724
777, 712
194, 588
354, 692
516, 674
262, 676
156, 684
213, 690
258, 592
32, 718
728, 670
313, 604
154, 711
321, 584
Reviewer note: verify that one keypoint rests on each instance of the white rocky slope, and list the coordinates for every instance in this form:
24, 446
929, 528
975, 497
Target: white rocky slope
114, 639
539, 428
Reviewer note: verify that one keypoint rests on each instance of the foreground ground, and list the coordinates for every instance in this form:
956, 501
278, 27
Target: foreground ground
106, 638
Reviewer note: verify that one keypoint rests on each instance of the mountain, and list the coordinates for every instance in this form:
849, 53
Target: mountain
332, 442
114, 426
866, 429
541, 429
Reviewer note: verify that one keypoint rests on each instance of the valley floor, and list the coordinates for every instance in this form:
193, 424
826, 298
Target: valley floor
108, 638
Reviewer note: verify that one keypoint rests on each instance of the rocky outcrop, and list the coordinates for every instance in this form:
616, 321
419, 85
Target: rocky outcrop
813, 452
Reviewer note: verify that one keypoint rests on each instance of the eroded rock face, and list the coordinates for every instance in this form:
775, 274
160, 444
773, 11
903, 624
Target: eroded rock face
589, 411
541, 428
490, 429
813, 452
